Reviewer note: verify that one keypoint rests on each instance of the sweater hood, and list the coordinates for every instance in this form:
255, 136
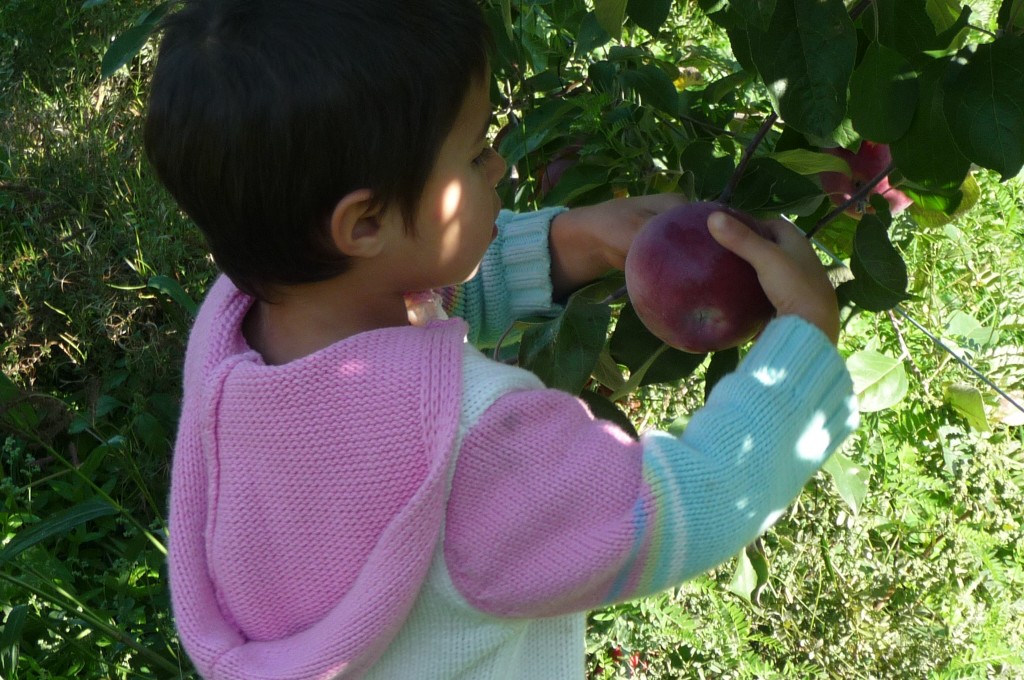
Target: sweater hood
307, 499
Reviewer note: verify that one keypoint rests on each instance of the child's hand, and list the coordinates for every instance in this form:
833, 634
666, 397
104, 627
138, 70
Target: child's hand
586, 242
790, 272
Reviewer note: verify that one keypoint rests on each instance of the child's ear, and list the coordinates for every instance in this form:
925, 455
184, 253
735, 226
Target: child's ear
355, 228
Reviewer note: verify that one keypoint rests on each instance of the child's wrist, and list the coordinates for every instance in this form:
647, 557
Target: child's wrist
576, 256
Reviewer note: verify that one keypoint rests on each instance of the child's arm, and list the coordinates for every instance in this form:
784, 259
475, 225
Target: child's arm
589, 241
540, 257
573, 514
514, 280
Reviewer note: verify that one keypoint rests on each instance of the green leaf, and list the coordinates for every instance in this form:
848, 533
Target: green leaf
712, 6
740, 41
654, 88
151, 433
632, 345
602, 408
927, 153
805, 58
711, 169
909, 28
576, 181
880, 274
879, 381
17, 410
945, 14
876, 257
607, 372
935, 213
540, 125
590, 35
967, 401
883, 94
740, 14
807, 162
718, 89
768, 188
1011, 16
984, 104
605, 290
750, 575
56, 525
10, 639
563, 351
173, 289
506, 18
850, 480
755, 14
649, 15
125, 46
744, 578
968, 332
611, 14
96, 457
9, 391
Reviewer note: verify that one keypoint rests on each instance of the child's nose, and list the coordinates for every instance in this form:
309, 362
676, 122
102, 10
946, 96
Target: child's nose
498, 168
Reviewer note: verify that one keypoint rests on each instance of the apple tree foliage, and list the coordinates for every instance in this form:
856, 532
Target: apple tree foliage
643, 111
615, 93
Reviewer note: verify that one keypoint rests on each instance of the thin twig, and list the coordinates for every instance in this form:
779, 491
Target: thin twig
931, 336
859, 9
854, 199
981, 376
979, 29
665, 120
748, 153
914, 368
614, 297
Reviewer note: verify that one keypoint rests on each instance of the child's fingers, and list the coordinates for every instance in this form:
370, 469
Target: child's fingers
780, 244
760, 252
776, 269
790, 238
788, 269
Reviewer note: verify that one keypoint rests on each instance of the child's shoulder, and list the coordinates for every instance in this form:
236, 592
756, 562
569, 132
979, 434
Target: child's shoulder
484, 380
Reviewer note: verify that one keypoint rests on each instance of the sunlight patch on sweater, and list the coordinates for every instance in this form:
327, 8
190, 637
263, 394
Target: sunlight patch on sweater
814, 441
768, 376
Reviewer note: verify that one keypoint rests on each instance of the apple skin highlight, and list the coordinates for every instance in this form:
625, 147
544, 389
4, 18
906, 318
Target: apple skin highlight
690, 291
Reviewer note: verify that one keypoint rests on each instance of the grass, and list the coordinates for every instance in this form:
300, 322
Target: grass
922, 577
90, 353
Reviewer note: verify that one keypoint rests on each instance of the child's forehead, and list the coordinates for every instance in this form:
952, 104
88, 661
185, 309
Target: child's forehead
477, 110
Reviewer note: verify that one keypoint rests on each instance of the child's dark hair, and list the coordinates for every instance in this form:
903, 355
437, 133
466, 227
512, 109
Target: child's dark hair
263, 114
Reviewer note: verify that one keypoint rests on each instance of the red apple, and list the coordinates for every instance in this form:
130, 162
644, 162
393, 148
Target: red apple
865, 164
551, 173
690, 291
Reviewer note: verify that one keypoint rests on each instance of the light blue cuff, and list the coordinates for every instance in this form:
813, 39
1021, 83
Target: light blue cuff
514, 280
526, 258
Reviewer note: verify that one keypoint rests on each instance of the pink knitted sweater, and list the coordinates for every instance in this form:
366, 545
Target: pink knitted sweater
398, 506
297, 546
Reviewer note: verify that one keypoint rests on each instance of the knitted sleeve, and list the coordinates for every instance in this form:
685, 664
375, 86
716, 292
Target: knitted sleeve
514, 280
552, 511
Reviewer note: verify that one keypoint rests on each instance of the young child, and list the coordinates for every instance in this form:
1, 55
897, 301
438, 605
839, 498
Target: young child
354, 495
